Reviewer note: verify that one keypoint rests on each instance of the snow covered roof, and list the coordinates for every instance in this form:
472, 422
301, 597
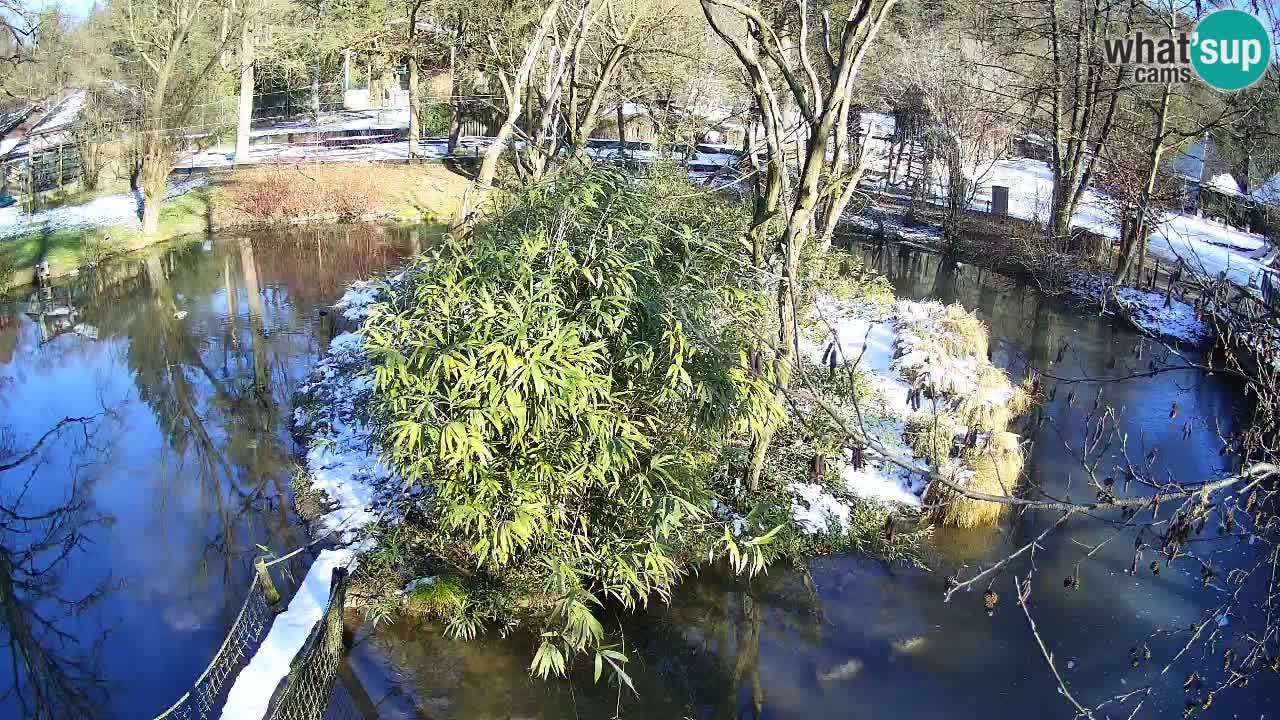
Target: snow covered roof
62, 114
1225, 184
10, 120
1268, 193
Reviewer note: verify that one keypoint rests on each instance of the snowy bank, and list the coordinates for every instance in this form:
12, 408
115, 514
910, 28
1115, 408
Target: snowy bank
344, 464
1174, 322
921, 364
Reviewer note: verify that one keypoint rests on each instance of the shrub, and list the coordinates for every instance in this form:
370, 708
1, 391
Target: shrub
277, 195
565, 387
95, 250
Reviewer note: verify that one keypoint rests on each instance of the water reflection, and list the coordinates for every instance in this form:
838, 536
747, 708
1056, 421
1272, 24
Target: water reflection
197, 351
848, 637
40, 605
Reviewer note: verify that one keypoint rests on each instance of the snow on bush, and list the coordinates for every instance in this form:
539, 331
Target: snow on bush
918, 359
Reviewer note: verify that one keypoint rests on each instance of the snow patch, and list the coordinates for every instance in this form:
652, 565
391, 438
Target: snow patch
119, 210
1147, 310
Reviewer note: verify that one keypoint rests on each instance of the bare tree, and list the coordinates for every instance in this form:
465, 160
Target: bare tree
1069, 94
966, 123
824, 104
514, 87
170, 48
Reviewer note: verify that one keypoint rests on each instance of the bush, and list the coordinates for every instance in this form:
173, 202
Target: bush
95, 251
565, 387
278, 195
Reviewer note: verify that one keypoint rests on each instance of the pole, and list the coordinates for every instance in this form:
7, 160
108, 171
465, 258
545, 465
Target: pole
264, 577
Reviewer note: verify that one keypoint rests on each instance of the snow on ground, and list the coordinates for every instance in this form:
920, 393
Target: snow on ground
108, 211
343, 462
874, 220
430, 149
1176, 323
355, 302
857, 332
1204, 245
897, 349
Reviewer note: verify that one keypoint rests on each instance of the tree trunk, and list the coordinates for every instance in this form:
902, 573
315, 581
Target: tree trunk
245, 116
1139, 222
622, 130
455, 107
414, 127
315, 92
515, 92
153, 188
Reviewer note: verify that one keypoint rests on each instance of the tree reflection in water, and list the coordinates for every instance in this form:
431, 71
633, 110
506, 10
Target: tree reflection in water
54, 664
200, 346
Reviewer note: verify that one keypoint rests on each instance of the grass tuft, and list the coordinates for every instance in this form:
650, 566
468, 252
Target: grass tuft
994, 467
444, 598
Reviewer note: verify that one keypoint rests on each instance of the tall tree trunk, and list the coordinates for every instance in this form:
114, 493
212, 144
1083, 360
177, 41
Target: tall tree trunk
245, 116
1143, 206
315, 93
455, 105
414, 127
156, 164
622, 129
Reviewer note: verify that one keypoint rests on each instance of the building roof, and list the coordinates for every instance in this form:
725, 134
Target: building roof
1268, 193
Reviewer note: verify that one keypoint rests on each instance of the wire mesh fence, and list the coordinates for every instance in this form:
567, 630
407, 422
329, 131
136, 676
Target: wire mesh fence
204, 699
309, 688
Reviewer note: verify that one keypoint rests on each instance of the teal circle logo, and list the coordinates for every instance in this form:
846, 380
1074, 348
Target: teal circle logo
1231, 49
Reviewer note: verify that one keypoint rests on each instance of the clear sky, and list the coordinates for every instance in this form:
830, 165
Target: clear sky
74, 8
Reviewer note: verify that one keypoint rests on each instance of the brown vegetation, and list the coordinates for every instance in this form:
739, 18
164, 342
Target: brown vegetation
290, 193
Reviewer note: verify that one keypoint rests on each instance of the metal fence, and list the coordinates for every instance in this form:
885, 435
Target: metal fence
309, 688
204, 699
45, 170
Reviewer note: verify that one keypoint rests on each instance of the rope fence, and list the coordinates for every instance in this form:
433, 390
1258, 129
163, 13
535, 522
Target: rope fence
310, 692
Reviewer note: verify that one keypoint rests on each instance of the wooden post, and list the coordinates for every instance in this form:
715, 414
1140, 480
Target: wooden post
264, 577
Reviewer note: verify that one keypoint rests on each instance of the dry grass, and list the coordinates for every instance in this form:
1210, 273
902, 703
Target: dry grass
290, 193
996, 404
932, 437
963, 333
996, 466
950, 349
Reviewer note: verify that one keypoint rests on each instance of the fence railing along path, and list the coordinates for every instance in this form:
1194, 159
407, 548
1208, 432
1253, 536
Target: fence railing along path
308, 692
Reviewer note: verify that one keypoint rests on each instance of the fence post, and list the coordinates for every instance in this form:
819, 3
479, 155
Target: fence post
264, 577
309, 686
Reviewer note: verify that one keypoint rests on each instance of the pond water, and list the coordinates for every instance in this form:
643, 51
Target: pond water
140, 523
850, 637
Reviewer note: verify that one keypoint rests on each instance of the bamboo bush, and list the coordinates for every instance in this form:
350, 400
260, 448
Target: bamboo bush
565, 387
